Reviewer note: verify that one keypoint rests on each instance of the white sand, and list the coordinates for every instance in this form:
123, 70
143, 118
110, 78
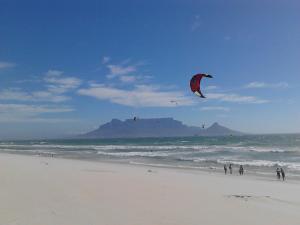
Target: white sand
44, 191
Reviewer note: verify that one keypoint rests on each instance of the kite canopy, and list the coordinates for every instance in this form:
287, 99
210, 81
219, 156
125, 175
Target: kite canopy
195, 83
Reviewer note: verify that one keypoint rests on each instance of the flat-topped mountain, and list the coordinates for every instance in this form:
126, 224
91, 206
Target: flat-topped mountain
159, 127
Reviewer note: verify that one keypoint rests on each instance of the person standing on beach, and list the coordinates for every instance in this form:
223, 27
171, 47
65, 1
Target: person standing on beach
241, 170
278, 173
225, 168
230, 168
282, 174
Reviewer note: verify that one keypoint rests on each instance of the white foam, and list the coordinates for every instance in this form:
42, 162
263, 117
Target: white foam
265, 163
201, 148
145, 154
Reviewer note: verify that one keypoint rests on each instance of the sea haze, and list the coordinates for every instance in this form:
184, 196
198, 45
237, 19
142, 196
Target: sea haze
260, 154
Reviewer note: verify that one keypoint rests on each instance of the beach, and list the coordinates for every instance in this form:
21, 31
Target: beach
39, 190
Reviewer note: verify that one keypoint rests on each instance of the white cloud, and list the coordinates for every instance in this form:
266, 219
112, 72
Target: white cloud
32, 80
48, 96
105, 59
235, 98
6, 65
54, 73
215, 108
139, 96
30, 113
127, 72
20, 95
211, 87
32, 109
266, 85
56, 87
15, 94
128, 79
119, 70
59, 84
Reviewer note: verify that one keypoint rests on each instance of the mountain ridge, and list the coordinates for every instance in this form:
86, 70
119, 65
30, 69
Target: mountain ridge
155, 127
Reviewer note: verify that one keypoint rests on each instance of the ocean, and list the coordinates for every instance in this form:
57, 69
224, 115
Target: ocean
259, 154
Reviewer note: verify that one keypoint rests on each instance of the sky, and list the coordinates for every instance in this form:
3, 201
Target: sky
68, 66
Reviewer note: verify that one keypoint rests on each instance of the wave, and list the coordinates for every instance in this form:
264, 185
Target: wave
170, 165
32, 151
200, 148
141, 154
290, 166
209, 155
256, 163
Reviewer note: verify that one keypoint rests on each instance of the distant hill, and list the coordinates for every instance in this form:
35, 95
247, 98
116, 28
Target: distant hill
218, 130
160, 127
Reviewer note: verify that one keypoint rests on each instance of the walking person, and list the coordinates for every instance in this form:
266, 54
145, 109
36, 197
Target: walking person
282, 174
230, 168
278, 173
225, 169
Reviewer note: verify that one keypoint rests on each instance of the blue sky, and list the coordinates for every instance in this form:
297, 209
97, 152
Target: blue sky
68, 66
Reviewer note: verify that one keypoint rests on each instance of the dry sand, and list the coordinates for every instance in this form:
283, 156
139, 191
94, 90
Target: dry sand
44, 191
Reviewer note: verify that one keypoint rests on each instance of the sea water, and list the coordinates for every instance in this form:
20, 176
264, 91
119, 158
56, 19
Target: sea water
259, 154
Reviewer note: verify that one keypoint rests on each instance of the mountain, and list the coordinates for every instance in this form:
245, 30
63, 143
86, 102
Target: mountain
160, 127
218, 130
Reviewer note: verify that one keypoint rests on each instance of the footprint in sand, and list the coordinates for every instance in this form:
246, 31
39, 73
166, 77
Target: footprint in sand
263, 198
247, 197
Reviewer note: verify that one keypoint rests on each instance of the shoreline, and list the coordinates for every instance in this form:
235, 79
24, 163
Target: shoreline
260, 155
252, 173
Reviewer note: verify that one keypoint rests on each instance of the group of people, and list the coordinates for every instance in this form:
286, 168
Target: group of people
241, 170
280, 173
